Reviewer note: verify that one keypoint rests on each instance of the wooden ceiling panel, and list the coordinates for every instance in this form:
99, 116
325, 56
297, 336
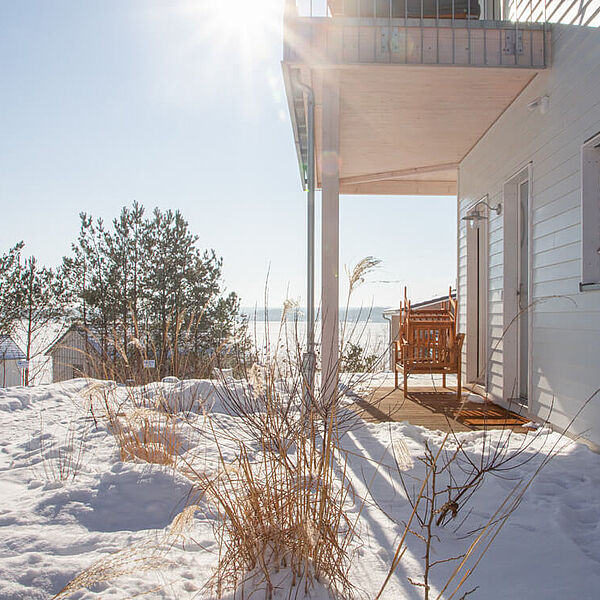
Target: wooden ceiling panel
395, 119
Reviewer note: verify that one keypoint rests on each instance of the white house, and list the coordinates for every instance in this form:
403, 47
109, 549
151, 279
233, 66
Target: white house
529, 298
496, 104
10, 356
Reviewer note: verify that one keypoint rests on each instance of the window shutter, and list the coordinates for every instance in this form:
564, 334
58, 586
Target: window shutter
590, 214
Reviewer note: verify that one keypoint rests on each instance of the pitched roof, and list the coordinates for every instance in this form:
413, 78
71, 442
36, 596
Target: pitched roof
91, 338
422, 304
9, 349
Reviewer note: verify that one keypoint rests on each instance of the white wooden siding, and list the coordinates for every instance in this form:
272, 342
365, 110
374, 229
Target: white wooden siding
10, 374
72, 358
565, 343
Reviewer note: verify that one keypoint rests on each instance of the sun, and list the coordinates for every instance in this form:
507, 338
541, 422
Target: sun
208, 42
249, 23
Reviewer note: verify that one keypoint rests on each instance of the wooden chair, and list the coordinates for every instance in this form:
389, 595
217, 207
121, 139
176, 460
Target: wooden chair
428, 343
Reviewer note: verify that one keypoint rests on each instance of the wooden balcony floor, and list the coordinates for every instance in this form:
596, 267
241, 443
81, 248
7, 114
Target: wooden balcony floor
437, 408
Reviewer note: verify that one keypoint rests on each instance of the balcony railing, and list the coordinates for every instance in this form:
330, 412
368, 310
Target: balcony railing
437, 32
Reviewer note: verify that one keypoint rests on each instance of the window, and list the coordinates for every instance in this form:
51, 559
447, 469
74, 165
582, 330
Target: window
590, 214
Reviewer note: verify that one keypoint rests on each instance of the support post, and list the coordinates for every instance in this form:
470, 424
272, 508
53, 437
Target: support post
330, 217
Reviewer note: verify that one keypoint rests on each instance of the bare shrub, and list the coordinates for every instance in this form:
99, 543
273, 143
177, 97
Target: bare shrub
281, 504
356, 359
452, 476
282, 513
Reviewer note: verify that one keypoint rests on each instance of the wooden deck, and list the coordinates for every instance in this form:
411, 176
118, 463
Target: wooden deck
437, 408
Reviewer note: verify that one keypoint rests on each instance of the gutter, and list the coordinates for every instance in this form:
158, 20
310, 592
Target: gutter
310, 356
288, 82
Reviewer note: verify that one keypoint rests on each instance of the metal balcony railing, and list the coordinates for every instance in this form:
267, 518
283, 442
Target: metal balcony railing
447, 32
522, 11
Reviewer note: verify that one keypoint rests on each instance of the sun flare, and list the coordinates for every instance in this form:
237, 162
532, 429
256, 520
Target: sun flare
251, 24
216, 46
245, 14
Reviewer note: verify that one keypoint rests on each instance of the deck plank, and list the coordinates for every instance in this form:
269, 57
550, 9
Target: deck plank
436, 408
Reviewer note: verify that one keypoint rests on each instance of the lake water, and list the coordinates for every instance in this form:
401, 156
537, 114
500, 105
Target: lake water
371, 336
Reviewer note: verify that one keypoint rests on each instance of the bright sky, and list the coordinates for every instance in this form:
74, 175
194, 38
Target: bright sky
174, 104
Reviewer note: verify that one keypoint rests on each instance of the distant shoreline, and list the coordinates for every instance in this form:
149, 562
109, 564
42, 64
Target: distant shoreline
372, 314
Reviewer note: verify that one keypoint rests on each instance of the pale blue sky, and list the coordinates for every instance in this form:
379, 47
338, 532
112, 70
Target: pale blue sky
103, 102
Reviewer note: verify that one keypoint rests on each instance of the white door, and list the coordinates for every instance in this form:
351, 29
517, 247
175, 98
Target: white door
515, 342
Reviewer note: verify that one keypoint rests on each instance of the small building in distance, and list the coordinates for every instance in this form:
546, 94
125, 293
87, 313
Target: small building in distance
76, 353
10, 355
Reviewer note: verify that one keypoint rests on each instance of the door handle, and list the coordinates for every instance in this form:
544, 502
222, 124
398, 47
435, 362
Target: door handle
520, 296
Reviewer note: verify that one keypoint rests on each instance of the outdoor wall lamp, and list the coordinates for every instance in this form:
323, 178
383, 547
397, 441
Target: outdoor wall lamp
474, 216
542, 104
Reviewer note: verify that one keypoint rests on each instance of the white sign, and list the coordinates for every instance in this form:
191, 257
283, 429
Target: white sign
23, 364
149, 364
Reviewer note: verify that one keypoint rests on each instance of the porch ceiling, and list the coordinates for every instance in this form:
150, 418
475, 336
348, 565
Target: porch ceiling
404, 129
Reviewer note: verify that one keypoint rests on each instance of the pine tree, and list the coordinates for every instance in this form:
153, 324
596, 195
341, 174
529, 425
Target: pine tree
42, 306
88, 273
181, 288
10, 299
143, 287
125, 257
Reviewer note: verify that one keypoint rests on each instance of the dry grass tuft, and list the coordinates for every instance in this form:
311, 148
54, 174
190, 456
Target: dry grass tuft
281, 505
357, 274
146, 422
283, 508
147, 435
139, 558
63, 460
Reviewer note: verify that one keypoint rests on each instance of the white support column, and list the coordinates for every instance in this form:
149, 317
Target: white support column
330, 236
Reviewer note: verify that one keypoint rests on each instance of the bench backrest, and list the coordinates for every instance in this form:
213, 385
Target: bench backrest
429, 336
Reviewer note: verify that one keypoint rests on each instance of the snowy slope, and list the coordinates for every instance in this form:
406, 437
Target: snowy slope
52, 530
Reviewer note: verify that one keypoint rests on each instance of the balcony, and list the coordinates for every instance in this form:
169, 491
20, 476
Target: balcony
413, 32
419, 82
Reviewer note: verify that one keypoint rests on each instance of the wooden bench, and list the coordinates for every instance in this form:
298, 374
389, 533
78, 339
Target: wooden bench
428, 343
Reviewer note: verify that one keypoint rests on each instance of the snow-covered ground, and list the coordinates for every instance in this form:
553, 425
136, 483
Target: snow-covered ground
59, 515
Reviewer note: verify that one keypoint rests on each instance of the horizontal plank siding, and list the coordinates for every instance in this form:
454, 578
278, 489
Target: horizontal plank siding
565, 323
72, 357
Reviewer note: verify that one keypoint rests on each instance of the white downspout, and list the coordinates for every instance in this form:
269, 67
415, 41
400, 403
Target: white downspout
309, 358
